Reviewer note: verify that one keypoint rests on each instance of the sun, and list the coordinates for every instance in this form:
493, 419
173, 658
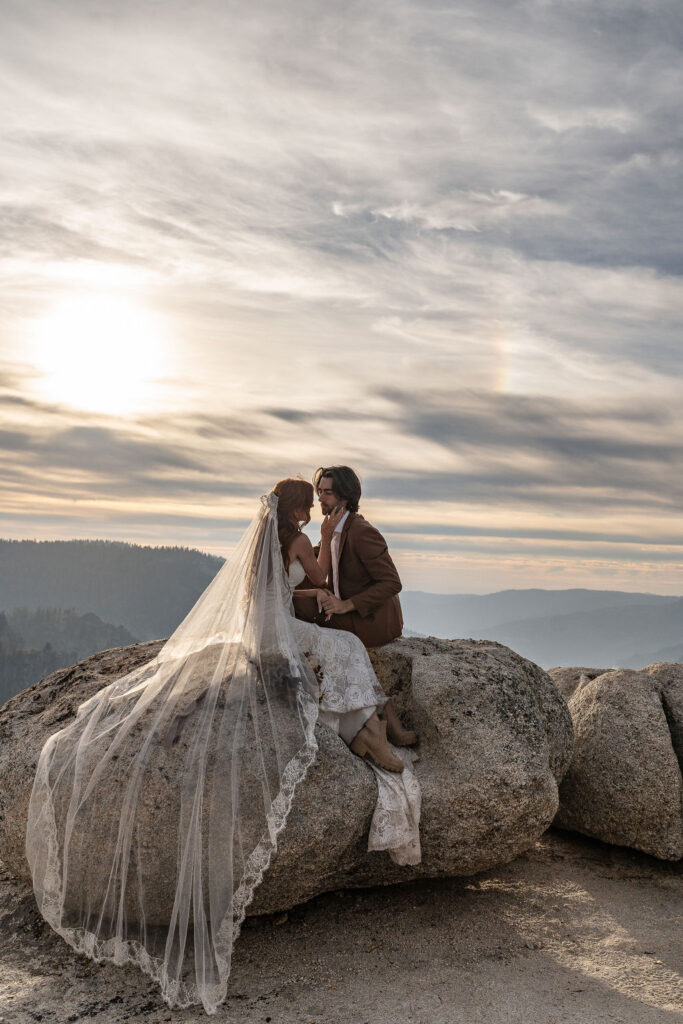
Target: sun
99, 352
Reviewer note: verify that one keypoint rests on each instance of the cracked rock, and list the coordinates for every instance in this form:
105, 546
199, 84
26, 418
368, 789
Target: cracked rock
624, 785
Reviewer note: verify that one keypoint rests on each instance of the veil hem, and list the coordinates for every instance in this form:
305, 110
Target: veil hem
216, 732
130, 951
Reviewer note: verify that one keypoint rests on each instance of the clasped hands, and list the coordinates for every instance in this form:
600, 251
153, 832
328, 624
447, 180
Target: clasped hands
332, 605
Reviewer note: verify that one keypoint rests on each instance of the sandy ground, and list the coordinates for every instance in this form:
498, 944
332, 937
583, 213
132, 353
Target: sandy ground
573, 931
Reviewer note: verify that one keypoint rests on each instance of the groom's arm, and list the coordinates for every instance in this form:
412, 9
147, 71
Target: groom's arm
371, 548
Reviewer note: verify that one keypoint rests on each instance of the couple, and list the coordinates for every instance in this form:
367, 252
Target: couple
355, 587
155, 812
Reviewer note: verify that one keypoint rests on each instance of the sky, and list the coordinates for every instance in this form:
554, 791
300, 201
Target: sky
438, 242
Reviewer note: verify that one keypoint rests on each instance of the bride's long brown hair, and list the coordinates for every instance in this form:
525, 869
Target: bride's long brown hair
292, 495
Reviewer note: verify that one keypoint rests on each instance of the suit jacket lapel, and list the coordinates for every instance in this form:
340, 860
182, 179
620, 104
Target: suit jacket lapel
342, 542
345, 530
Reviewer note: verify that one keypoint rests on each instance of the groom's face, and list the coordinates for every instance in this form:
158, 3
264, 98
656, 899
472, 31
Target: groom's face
327, 497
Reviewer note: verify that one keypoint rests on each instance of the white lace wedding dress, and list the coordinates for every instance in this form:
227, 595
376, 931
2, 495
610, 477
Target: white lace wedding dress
351, 691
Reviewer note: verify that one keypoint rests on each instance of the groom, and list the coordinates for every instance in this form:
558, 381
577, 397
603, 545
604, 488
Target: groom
363, 583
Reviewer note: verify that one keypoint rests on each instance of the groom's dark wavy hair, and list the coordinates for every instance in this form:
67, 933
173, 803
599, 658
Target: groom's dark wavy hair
344, 481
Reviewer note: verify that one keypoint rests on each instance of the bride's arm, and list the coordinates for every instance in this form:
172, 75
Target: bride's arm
302, 549
327, 528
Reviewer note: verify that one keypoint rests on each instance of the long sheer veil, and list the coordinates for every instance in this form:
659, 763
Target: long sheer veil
155, 812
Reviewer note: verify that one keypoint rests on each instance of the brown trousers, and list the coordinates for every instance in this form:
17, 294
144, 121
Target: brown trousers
306, 608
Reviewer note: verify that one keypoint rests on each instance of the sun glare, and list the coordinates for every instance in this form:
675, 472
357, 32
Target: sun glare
102, 353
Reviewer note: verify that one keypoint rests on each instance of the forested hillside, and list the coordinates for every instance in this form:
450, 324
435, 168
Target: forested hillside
149, 590
35, 643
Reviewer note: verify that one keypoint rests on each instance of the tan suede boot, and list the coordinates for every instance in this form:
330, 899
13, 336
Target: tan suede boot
372, 741
399, 736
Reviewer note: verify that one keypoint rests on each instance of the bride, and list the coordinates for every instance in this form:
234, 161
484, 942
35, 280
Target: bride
155, 813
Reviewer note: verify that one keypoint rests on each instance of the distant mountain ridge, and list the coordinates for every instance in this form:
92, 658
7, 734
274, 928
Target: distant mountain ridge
613, 636
149, 590
513, 605
551, 627
674, 654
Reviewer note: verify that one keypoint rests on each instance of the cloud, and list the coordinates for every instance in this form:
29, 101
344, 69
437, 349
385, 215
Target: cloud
511, 449
154, 456
524, 423
15, 440
441, 530
31, 231
291, 415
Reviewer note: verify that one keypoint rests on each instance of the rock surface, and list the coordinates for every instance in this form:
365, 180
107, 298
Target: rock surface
624, 784
567, 679
496, 738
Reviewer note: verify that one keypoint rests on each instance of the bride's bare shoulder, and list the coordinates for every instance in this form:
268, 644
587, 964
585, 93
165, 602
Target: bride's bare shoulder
301, 545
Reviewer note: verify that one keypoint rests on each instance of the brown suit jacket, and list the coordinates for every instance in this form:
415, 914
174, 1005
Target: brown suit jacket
368, 576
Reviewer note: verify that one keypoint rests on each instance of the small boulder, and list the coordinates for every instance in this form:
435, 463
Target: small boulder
624, 784
495, 740
568, 679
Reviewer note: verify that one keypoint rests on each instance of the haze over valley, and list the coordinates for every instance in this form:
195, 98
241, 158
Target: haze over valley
61, 601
